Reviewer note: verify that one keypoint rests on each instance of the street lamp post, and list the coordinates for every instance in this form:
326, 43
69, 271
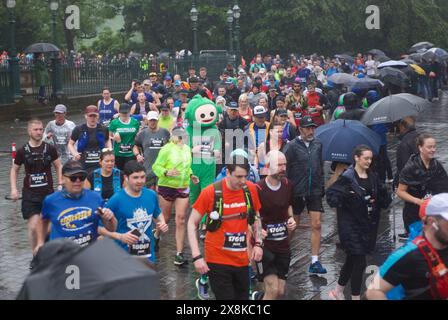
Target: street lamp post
194, 15
237, 15
13, 60
57, 75
230, 25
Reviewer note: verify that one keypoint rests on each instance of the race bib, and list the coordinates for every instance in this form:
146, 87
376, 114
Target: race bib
92, 156
156, 144
61, 140
38, 180
235, 242
83, 239
125, 148
141, 248
277, 232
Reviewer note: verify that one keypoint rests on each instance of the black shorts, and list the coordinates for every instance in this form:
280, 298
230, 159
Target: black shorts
275, 264
312, 203
229, 283
120, 162
31, 204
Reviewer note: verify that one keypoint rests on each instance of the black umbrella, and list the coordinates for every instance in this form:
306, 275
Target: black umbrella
421, 45
367, 83
342, 78
377, 52
346, 57
383, 59
394, 108
393, 76
42, 48
416, 57
106, 272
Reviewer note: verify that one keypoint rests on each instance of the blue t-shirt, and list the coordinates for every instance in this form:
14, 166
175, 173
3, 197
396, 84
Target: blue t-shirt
136, 213
74, 219
134, 97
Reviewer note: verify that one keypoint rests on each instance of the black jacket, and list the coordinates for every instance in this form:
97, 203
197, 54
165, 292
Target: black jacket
422, 181
406, 148
356, 227
305, 167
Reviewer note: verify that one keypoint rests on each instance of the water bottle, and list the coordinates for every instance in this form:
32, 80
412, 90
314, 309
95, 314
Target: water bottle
214, 221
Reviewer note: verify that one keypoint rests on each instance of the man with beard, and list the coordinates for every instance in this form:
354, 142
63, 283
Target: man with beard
425, 257
305, 171
275, 193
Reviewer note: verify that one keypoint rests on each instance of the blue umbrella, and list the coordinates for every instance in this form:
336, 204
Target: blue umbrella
339, 138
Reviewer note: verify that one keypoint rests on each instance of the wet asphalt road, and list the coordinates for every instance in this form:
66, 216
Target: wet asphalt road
178, 283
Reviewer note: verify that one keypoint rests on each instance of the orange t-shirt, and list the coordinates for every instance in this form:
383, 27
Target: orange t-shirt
227, 245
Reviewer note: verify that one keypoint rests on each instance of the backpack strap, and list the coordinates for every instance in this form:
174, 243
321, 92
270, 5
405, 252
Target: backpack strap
97, 181
218, 198
438, 270
116, 180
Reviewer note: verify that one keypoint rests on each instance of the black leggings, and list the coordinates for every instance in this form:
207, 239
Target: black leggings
353, 269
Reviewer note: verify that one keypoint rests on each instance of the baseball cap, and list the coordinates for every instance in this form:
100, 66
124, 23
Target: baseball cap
307, 122
436, 206
147, 82
259, 111
229, 81
153, 74
233, 105
152, 115
60, 108
125, 108
168, 78
179, 131
73, 167
184, 91
193, 80
91, 109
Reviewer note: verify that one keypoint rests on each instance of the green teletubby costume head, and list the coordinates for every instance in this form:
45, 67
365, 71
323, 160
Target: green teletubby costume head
202, 111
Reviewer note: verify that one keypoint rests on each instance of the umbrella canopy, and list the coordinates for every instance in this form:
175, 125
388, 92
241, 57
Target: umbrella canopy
367, 83
342, 78
340, 137
383, 59
377, 52
393, 76
346, 57
408, 61
435, 54
394, 108
42, 48
106, 271
419, 70
392, 64
416, 56
421, 45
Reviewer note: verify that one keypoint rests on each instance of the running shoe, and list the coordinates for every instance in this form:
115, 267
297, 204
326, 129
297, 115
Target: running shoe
317, 268
334, 295
179, 260
202, 290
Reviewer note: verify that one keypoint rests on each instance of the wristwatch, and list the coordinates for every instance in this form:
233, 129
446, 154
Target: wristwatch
197, 258
259, 244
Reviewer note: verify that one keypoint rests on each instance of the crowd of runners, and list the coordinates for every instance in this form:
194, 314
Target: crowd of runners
236, 164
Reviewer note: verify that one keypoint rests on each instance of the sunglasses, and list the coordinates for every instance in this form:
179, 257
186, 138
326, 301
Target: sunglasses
106, 150
81, 178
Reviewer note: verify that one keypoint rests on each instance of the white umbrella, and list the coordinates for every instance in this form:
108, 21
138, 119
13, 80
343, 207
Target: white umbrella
392, 63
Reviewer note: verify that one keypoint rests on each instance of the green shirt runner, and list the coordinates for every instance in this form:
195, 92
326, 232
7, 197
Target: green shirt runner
128, 132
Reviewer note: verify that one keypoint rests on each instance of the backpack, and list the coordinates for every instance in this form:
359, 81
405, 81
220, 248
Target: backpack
213, 225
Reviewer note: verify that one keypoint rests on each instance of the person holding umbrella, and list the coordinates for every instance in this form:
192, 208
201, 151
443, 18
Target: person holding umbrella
41, 76
422, 177
358, 197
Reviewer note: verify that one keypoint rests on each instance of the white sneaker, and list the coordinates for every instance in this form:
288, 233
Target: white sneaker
334, 295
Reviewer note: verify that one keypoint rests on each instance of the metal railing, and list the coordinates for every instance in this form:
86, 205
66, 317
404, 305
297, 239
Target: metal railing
6, 95
91, 77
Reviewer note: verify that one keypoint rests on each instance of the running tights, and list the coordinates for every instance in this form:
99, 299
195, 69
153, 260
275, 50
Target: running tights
353, 269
